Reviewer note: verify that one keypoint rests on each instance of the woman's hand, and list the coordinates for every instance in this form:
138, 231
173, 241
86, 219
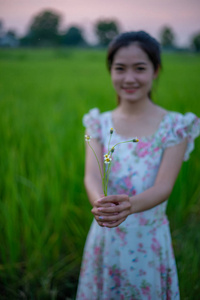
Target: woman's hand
111, 211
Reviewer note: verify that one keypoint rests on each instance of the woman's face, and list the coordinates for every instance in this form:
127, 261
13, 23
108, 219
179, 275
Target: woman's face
132, 73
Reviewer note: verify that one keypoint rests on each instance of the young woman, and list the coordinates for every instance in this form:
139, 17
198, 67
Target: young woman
128, 253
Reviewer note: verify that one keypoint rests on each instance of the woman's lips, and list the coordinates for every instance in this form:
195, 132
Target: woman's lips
130, 90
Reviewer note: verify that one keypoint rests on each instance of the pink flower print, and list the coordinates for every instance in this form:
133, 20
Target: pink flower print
116, 166
180, 132
133, 192
165, 221
162, 269
117, 280
128, 182
163, 139
110, 272
144, 153
140, 248
120, 190
143, 221
142, 148
122, 233
169, 280
143, 179
153, 231
142, 272
100, 285
156, 149
115, 274
169, 294
96, 250
146, 292
155, 246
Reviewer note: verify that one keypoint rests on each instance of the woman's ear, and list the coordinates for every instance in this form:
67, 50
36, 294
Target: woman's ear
156, 72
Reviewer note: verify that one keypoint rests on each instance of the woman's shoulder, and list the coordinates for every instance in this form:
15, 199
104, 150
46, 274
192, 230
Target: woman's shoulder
173, 117
95, 121
177, 118
177, 127
94, 115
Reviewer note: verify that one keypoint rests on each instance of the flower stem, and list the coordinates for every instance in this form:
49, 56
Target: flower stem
121, 143
105, 181
109, 142
108, 173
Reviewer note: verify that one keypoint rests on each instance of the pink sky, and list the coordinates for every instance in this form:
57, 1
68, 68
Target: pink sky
150, 15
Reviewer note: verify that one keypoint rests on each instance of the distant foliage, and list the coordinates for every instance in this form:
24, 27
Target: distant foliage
167, 37
44, 31
106, 31
73, 37
196, 42
44, 28
1, 27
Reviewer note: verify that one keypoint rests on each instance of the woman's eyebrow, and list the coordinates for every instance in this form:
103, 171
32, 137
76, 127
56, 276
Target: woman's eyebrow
136, 64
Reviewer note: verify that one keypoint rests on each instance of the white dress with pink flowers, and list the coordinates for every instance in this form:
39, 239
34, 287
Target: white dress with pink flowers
134, 260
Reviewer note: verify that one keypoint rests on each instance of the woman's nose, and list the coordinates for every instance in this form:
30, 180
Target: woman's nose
130, 76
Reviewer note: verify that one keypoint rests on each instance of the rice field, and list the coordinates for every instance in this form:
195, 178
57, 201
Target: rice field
44, 211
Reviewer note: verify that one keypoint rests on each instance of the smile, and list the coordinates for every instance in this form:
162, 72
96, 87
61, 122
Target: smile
130, 90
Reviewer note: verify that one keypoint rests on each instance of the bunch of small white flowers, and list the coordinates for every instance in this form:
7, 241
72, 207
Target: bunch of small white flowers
87, 138
107, 159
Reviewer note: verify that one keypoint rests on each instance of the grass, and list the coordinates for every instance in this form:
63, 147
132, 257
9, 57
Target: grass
44, 211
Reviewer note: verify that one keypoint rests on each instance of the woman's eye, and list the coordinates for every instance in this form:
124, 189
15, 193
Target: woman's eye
140, 69
119, 69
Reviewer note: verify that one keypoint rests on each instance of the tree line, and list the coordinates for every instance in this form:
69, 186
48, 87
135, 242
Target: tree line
44, 30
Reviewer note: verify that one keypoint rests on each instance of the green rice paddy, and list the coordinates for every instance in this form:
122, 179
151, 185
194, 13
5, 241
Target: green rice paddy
44, 211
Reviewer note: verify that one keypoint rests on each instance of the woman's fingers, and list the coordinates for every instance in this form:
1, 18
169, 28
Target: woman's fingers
112, 218
114, 224
111, 211
116, 209
105, 204
113, 199
96, 212
102, 223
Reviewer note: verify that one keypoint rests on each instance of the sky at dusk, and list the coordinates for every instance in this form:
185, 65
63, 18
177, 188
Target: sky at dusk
183, 16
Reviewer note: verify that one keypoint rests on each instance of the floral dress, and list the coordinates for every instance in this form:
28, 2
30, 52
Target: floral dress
134, 260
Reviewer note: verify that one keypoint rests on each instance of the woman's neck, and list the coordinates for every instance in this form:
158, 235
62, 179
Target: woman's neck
130, 109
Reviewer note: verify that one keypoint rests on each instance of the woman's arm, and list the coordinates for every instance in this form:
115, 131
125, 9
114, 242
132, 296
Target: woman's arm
167, 174
165, 180
92, 178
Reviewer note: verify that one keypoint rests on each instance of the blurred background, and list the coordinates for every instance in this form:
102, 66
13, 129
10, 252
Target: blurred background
53, 70
94, 23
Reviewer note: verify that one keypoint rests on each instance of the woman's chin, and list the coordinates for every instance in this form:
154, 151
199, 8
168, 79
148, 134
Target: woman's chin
130, 99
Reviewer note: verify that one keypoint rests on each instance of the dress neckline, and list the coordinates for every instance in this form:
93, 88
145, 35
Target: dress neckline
147, 137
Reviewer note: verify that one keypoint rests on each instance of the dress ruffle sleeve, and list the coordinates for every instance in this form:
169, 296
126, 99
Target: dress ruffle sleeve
92, 122
182, 126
